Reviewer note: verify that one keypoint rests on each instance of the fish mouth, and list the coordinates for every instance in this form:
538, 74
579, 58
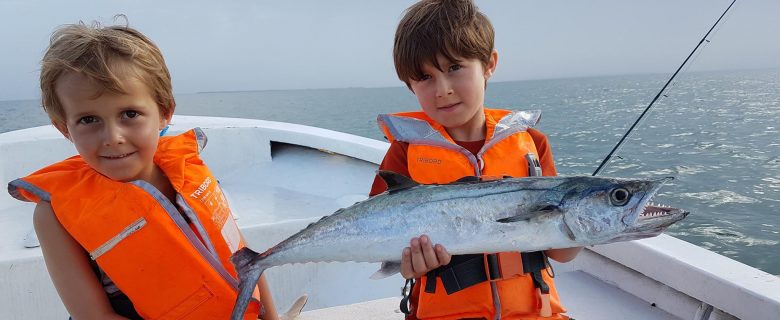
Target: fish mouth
654, 211
645, 207
660, 215
653, 218
652, 222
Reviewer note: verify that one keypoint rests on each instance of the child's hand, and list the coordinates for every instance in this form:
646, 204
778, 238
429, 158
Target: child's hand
421, 257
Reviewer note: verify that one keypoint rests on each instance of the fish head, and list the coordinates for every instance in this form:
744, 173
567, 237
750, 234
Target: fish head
603, 210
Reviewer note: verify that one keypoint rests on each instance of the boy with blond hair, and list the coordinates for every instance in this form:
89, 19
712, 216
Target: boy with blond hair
135, 226
444, 53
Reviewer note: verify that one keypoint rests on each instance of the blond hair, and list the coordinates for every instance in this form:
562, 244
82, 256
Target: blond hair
95, 52
454, 29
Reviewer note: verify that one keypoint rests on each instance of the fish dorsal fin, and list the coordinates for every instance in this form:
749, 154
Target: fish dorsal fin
396, 182
323, 218
467, 179
537, 211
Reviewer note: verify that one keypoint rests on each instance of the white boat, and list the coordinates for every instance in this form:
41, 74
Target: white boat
279, 177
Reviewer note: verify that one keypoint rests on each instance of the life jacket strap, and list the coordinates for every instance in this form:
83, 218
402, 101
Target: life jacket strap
457, 276
430, 283
539, 282
484, 267
506, 265
492, 267
534, 261
406, 292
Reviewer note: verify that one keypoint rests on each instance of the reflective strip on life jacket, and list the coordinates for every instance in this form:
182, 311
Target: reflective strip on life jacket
433, 157
126, 232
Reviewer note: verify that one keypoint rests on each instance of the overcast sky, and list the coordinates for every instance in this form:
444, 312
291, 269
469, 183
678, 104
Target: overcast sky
259, 45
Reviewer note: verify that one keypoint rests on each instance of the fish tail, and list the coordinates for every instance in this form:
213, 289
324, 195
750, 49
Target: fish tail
249, 269
242, 259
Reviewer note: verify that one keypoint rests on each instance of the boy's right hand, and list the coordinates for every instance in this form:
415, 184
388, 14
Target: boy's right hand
421, 256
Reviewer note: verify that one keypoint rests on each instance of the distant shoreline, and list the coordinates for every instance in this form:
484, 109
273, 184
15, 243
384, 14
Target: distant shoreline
664, 75
509, 81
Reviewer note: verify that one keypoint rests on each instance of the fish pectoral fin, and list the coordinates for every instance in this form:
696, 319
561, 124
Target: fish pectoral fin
387, 269
522, 217
545, 208
539, 210
396, 182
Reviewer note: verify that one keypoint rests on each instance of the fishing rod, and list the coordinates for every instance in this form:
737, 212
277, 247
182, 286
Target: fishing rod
620, 143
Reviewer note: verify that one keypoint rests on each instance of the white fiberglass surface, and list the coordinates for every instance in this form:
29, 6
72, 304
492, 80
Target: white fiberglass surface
299, 183
16, 226
587, 297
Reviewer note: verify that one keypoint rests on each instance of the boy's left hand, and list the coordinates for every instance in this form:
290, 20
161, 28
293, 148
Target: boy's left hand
422, 256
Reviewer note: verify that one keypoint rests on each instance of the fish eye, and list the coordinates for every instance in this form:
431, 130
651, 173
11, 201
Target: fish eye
619, 196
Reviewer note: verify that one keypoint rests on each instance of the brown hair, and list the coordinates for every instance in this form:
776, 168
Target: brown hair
95, 52
454, 29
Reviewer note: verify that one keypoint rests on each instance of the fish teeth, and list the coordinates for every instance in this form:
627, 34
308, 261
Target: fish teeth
658, 205
653, 214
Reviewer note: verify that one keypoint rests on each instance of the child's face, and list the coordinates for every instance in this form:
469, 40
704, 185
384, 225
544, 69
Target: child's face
116, 134
454, 97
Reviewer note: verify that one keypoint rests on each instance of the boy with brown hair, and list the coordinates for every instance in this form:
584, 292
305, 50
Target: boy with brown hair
135, 226
444, 53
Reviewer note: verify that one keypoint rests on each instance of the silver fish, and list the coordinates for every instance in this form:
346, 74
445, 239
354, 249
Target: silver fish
470, 216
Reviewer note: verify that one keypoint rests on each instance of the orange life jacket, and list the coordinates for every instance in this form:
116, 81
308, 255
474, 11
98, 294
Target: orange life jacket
434, 157
140, 239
